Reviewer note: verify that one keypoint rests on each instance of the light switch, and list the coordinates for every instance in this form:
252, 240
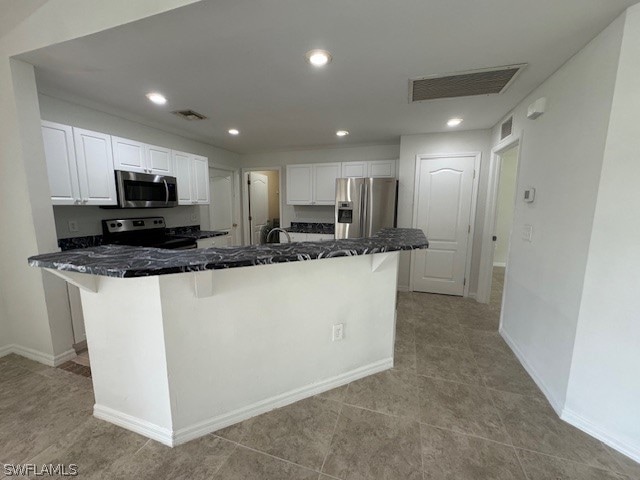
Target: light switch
527, 233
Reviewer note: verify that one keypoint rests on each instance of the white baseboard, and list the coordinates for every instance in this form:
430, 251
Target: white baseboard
500, 264
629, 449
557, 405
182, 435
6, 350
404, 288
45, 358
147, 429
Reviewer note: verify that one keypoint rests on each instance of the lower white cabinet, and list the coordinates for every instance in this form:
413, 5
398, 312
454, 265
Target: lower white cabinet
219, 241
192, 176
306, 237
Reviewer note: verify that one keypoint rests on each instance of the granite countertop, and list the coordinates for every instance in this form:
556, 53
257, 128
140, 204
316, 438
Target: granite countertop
306, 227
124, 261
197, 235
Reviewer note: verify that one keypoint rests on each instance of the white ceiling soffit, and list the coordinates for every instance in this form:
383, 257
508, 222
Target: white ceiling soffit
241, 63
487, 81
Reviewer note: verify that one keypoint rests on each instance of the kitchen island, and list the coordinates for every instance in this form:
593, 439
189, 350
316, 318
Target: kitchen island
184, 343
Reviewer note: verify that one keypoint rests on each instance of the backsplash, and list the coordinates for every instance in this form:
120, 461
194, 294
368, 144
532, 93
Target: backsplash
88, 219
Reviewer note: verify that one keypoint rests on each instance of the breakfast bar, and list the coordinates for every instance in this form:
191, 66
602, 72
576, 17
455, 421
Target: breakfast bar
186, 342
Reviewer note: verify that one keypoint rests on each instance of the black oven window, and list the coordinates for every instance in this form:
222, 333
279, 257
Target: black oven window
145, 191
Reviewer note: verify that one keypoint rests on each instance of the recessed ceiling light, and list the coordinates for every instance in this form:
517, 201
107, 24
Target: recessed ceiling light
454, 122
318, 58
234, 131
342, 133
157, 98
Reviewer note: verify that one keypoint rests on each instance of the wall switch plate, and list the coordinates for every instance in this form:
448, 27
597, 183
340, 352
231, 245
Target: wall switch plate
73, 226
527, 233
529, 195
338, 332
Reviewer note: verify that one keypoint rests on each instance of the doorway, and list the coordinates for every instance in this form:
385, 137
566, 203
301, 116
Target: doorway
444, 208
222, 184
505, 210
261, 208
499, 216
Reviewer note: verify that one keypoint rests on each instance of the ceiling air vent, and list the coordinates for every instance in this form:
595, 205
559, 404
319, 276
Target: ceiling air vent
189, 115
488, 81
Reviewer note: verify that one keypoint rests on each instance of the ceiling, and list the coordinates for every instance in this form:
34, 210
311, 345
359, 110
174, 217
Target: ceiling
242, 64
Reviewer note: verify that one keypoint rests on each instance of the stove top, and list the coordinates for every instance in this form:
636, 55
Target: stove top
143, 232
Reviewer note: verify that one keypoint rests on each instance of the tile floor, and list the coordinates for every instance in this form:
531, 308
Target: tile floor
457, 406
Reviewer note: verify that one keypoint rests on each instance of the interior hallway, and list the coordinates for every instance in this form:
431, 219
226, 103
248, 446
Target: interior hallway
457, 405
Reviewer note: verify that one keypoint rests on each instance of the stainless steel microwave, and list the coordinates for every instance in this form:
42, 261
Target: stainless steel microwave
144, 190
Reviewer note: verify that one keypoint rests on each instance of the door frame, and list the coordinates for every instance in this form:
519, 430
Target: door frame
490, 215
235, 203
472, 214
245, 199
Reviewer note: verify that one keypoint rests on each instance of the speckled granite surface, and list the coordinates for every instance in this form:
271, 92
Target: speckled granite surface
305, 227
123, 261
193, 231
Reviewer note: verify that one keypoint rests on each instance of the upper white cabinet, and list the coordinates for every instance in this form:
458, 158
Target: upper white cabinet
95, 167
324, 183
79, 165
192, 174
375, 169
299, 184
60, 154
354, 169
133, 156
312, 184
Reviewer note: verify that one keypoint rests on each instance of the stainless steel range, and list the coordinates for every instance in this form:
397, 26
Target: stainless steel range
143, 232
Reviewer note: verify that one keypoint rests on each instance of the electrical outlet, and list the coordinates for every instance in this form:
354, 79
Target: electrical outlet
73, 226
527, 233
338, 332
194, 217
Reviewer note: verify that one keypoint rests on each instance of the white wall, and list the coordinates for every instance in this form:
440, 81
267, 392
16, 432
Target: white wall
506, 198
323, 155
604, 389
434, 144
561, 156
32, 302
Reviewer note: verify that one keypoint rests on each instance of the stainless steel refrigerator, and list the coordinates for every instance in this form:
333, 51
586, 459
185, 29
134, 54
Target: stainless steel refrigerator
364, 206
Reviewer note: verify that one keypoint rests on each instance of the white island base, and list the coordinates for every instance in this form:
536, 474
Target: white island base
175, 357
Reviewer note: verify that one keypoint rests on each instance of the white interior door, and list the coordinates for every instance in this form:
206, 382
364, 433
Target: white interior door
222, 196
258, 204
444, 197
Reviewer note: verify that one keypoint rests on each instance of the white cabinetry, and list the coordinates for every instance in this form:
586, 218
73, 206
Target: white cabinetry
192, 174
79, 165
306, 237
312, 184
299, 184
133, 156
60, 155
95, 167
219, 241
324, 183
375, 169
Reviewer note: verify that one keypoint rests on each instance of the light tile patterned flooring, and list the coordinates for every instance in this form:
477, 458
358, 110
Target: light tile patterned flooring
457, 406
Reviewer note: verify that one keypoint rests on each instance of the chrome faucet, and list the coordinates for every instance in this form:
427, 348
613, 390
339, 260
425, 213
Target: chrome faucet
286, 234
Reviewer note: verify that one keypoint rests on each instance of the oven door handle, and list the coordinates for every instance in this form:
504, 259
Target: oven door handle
166, 190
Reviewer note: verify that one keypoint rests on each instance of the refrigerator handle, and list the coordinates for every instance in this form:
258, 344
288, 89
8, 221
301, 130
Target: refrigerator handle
364, 199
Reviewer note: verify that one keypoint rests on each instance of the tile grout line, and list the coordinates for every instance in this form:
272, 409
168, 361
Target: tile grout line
333, 433
265, 453
515, 451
